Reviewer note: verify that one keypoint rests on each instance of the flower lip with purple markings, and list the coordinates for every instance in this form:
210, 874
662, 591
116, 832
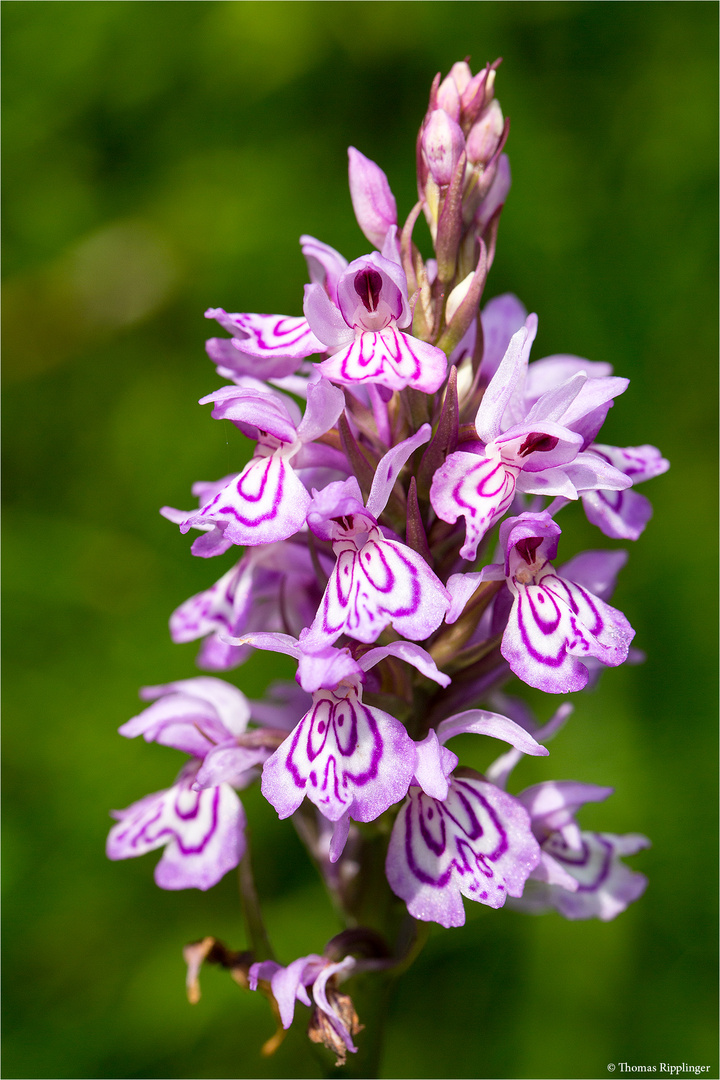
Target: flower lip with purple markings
267, 501
476, 843
352, 760
376, 580
274, 346
364, 332
533, 446
624, 514
580, 873
460, 835
554, 623
202, 832
347, 757
604, 885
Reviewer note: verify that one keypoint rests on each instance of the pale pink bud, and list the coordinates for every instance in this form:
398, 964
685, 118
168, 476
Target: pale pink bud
482, 141
373, 201
442, 143
461, 74
496, 196
448, 98
478, 91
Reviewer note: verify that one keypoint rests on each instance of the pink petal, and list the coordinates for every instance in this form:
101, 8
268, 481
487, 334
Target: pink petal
264, 503
481, 722
389, 358
384, 583
203, 833
372, 199
345, 756
477, 843
480, 489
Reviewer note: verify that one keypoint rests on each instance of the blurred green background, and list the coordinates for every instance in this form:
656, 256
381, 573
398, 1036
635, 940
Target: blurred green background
164, 157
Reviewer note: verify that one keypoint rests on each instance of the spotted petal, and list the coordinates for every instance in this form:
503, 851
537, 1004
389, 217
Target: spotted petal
263, 503
383, 583
605, 886
555, 623
266, 346
202, 832
475, 487
345, 756
477, 843
389, 358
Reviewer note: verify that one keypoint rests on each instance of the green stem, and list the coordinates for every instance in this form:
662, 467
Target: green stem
257, 934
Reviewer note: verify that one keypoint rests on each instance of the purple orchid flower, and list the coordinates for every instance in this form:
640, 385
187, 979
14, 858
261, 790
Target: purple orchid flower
579, 873
459, 835
267, 501
364, 330
208, 718
345, 756
200, 820
265, 346
213, 540
539, 450
555, 622
623, 515
192, 715
202, 832
288, 985
589, 881
377, 581
476, 843
273, 587
350, 759
274, 346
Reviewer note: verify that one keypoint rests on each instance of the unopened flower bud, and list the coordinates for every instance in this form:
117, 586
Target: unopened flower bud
448, 98
496, 196
442, 144
461, 75
478, 93
482, 141
373, 201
